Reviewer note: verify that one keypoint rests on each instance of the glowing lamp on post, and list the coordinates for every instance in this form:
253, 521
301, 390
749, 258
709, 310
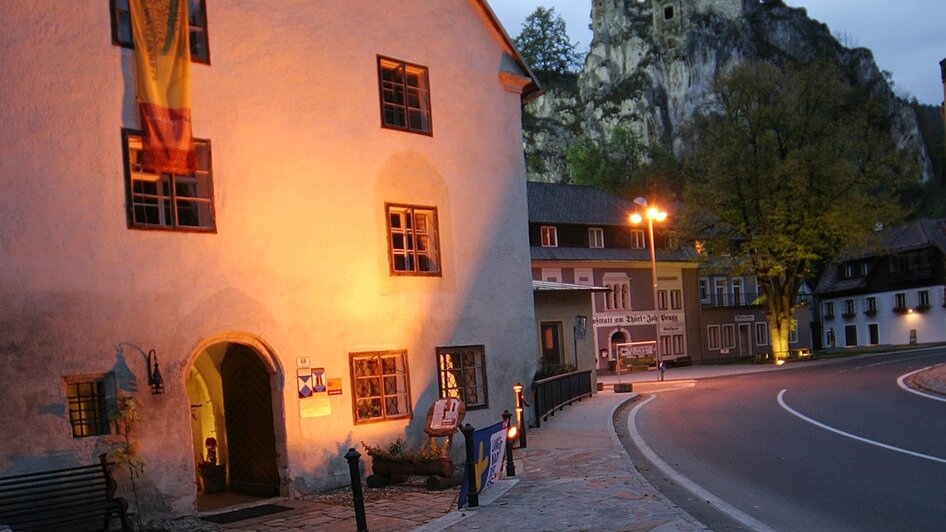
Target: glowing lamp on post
652, 213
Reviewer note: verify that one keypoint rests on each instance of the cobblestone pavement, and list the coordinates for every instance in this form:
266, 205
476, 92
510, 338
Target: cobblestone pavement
577, 476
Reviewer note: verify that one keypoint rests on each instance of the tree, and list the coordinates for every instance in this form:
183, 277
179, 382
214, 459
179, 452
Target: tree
799, 166
610, 163
544, 44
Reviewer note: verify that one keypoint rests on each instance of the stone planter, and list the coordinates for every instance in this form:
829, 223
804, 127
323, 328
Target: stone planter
440, 468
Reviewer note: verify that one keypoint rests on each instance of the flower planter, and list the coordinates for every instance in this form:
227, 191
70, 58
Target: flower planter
440, 468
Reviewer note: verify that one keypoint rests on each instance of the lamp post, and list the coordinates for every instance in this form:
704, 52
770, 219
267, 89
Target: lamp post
652, 213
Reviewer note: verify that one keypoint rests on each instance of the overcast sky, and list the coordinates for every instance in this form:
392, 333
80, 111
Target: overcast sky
908, 37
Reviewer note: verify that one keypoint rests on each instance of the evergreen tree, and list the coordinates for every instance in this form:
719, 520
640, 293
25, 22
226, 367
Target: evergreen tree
544, 44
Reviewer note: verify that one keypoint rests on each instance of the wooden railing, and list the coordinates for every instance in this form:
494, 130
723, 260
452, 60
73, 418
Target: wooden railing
554, 393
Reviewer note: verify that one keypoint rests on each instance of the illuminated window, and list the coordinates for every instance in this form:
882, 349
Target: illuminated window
637, 239
405, 96
596, 237
412, 240
549, 236
90, 400
168, 201
197, 20
463, 374
729, 336
761, 333
712, 336
380, 386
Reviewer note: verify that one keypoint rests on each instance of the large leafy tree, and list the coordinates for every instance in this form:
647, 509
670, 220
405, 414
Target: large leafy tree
799, 166
544, 44
610, 162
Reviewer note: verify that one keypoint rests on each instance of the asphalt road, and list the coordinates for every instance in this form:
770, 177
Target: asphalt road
733, 438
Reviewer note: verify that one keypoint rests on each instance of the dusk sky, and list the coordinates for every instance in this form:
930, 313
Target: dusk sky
908, 37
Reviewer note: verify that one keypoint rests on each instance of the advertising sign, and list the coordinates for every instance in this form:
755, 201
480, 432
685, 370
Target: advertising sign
489, 448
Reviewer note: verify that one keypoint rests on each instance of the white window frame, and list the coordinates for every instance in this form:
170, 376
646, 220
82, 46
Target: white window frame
719, 291
900, 300
850, 307
713, 333
730, 341
676, 299
549, 236
638, 240
922, 298
678, 345
761, 333
704, 289
662, 299
595, 237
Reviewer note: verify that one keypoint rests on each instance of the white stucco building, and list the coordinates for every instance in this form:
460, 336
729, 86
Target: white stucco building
358, 219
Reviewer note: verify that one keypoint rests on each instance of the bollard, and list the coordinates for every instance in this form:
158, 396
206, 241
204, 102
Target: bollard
357, 496
472, 497
510, 465
520, 417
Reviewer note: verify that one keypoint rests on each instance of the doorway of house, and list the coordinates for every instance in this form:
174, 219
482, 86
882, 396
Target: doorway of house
231, 395
745, 341
617, 339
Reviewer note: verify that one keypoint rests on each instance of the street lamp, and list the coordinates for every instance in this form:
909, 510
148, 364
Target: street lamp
652, 213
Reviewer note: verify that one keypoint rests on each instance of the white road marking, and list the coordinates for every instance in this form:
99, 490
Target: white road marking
894, 361
734, 513
784, 405
901, 381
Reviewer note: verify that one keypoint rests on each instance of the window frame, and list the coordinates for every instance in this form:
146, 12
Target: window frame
435, 248
548, 236
676, 299
354, 389
595, 237
662, 300
113, 9
638, 239
761, 333
430, 114
704, 290
104, 403
441, 374
127, 133
922, 299
679, 346
728, 339
710, 337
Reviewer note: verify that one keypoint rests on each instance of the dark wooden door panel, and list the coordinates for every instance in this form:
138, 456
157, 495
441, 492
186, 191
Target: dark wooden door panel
251, 440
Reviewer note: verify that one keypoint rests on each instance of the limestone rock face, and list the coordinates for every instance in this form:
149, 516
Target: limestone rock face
651, 66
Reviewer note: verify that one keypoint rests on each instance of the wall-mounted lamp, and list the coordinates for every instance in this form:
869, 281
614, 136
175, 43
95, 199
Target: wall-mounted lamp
154, 374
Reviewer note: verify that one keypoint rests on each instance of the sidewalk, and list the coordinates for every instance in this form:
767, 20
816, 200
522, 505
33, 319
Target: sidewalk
575, 475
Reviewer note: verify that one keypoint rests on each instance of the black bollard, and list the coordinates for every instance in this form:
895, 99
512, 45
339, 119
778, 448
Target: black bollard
510, 465
472, 497
357, 496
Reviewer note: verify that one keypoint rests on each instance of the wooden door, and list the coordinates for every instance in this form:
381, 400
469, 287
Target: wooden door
248, 407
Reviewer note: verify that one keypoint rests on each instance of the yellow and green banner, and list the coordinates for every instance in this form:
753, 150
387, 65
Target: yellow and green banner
162, 71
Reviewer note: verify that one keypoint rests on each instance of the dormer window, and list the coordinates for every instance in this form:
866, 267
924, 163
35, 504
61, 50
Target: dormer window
549, 236
595, 237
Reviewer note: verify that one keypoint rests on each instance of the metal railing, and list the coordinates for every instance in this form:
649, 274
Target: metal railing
554, 393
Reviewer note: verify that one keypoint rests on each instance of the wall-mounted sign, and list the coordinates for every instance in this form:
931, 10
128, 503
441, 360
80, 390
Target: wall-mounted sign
305, 381
745, 317
303, 362
334, 386
639, 318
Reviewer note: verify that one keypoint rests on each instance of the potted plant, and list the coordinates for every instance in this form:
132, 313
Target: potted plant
394, 460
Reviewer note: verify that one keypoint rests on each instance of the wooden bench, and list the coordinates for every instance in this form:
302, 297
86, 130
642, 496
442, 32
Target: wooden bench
75, 499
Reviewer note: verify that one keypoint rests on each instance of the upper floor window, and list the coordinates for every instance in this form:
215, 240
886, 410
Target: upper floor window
720, 292
90, 399
676, 299
900, 301
737, 291
463, 374
405, 96
197, 22
704, 290
637, 239
413, 246
848, 271
828, 310
870, 305
662, 299
864, 268
923, 299
596, 237
849, 309
168, 201
380, 386
673, 241
549, 236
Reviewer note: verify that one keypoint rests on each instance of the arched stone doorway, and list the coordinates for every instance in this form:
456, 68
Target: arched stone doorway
234, 400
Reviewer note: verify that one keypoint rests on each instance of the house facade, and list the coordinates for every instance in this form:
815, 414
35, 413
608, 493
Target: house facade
734, 322
581, 235
352, 245
893, 293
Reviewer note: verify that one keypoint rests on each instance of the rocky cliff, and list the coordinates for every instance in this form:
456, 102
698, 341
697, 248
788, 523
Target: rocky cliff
652, 63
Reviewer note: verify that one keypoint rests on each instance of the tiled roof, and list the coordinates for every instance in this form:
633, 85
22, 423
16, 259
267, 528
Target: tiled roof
919, 234
576, 204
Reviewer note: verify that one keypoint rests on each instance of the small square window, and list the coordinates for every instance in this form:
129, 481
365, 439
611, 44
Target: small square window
549, 236
413, 242
463, 374
668, 12
197, 27
405, 96
90, 401
168, 201
596, 237
380, 386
